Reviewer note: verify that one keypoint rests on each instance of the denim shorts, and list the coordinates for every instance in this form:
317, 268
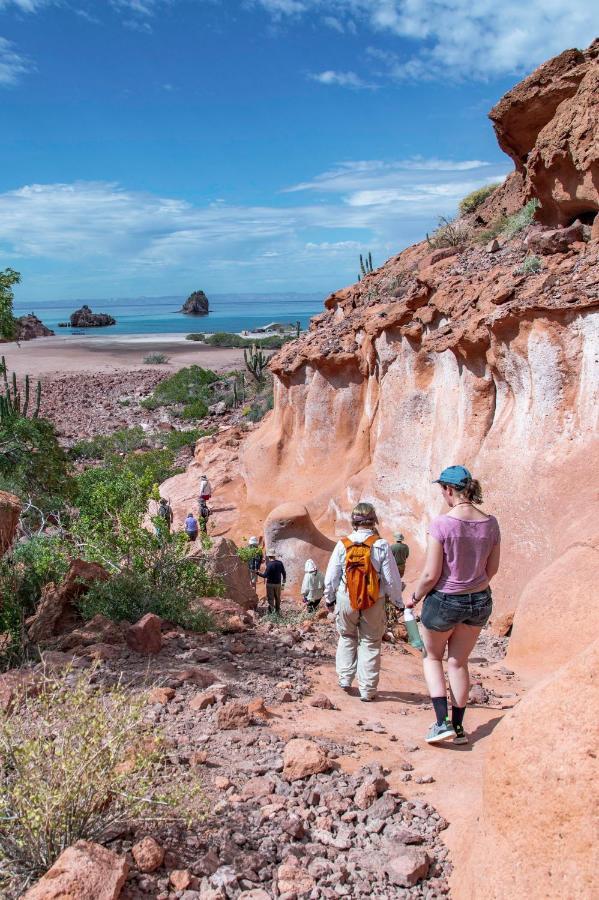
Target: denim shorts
442, 612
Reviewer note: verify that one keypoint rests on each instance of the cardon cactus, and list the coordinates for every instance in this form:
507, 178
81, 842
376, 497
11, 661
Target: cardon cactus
256, 361
14, 404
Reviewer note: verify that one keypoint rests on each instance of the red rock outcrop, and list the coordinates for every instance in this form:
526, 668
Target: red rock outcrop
537, 833
56, 611
290, 531
549, 125
10, 510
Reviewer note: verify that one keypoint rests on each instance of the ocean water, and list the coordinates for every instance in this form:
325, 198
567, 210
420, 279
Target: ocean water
159, 315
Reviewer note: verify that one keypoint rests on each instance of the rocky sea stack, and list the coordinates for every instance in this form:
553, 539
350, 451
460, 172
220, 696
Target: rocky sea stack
85, 318
29, 327
196, 304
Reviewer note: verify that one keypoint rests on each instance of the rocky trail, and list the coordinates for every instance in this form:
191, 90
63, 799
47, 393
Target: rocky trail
310, 792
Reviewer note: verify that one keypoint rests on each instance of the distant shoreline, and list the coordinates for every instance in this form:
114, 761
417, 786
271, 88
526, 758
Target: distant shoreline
62, 354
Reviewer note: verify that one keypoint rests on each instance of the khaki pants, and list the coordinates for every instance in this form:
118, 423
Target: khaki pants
359, 646
273, 596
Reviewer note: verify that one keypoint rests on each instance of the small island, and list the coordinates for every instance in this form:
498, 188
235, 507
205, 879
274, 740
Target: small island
196, 304
85, 318
30, 327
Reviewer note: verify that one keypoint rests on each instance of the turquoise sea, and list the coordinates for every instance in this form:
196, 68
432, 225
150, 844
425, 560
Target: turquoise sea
159, 315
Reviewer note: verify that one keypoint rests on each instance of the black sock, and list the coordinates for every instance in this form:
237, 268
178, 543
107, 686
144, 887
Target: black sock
457, 715
440, 704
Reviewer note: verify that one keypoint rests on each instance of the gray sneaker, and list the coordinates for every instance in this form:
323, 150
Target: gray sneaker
441, 732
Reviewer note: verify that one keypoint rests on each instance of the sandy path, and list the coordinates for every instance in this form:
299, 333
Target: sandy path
403, 709
65, 354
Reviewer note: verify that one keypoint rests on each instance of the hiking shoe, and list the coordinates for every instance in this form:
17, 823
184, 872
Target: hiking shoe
441, 732
367, 699
346, 688
460, 735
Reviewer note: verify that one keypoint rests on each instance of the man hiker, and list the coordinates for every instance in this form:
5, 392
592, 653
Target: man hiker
312, 586
275, 577
191, 527
361, 571
400, 551
165, 515
205, 492
204, 515
255, 560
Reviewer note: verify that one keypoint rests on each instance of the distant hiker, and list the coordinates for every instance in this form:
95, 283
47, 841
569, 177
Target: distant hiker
205, 492
191, 527
165, 516
255, 560
462, 557
400, 551
275, 577
204, 515
312, 586
361, 571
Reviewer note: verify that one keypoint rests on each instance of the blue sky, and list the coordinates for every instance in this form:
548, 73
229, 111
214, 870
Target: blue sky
158, 146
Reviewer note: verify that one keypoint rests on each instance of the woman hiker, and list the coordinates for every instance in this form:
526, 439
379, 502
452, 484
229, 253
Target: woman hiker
461, 559
191, 527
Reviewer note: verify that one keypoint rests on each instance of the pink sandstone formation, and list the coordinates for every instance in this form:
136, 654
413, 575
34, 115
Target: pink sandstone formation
461, 355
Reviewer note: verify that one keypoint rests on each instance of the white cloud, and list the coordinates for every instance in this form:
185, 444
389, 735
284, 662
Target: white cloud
462, 38
341, 79
12, 64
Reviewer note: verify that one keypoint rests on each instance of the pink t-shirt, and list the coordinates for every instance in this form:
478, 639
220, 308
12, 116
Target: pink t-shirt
466, 549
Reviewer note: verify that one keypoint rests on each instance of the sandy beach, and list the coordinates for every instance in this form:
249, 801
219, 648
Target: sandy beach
67, 354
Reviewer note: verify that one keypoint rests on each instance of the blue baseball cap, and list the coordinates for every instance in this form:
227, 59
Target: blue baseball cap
456, 475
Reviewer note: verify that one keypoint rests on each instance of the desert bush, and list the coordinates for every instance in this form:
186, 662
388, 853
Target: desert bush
37, 561
195, 336
449, 233
530, 265
156, 359
261, 406
184, 387
519, 220
197, 409
229, 340
473, 200
176, 440
99, 447
74, 762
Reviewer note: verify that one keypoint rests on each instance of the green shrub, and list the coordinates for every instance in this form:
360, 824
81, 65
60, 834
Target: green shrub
197, 409
39, 560
473, 200
122, 441
167, 584
75, 762
184, 387
520, 220
233, 341
156, 359
530, 265
195, 337
176, 440
449, 233
262, 405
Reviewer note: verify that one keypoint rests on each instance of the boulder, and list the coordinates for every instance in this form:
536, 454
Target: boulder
99, 630
148, 854
15, 684
85, 871
229, 617
536, 835
85, 318
56, 612
557, 614
10, 510
290, 531
146, 635
303, 758
196, 304
223, 562
407, 866
234, 715
30, 327
292, 878
555, 240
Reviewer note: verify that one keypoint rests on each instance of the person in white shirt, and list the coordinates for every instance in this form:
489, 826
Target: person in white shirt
205, 492
312, 586
361, 630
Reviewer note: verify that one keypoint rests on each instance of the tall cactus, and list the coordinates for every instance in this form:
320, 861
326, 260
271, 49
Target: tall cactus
255, 361
366, 266
14, 404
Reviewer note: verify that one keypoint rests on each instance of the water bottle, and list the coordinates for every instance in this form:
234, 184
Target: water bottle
412, 629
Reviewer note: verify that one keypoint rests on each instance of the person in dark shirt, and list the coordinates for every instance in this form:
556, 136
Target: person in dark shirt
400, 551
275, 577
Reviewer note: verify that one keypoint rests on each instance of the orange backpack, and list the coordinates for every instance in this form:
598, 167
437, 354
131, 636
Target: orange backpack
363, 583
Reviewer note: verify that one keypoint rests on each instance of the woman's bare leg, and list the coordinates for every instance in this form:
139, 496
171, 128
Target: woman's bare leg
435, 643
460, 646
